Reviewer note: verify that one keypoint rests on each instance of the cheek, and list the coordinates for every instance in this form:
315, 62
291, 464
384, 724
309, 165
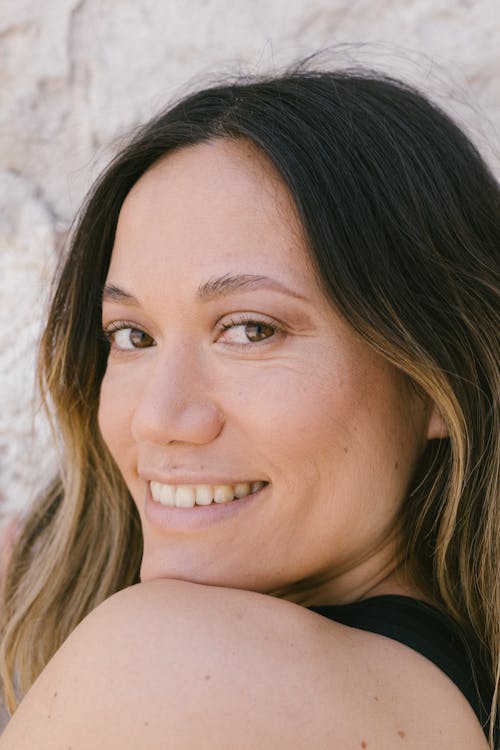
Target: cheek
310, 410
115, 410
302, 424
348, 430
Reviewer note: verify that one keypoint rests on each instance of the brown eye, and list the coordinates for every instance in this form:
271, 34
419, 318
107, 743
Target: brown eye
126, 339
139, 339
246, 331
258, 331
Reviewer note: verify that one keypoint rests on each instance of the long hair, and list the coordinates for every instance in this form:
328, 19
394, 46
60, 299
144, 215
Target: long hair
401, 219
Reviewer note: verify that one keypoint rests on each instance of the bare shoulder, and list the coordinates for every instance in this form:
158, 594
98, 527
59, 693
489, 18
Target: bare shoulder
175, 664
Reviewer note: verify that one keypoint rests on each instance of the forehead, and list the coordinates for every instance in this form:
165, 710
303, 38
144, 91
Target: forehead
213, 207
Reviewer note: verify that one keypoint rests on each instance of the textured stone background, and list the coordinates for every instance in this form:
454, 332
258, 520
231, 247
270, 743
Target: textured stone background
76, 74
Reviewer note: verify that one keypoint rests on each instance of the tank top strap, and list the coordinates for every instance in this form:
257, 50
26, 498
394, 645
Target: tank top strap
426, 630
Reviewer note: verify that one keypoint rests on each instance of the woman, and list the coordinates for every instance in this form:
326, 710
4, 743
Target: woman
272, 361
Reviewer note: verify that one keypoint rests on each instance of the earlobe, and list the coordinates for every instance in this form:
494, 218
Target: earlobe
436, 427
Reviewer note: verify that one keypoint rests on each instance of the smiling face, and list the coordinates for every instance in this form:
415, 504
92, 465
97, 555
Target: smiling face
229, 367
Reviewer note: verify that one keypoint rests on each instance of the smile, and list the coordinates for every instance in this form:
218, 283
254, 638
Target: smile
187, 496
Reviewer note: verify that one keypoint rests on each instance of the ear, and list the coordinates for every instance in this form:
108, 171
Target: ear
436, 427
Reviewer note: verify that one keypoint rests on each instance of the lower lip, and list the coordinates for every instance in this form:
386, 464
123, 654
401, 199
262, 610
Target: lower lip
170, 518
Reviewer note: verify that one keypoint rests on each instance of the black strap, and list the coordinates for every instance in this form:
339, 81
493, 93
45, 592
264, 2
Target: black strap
427, 631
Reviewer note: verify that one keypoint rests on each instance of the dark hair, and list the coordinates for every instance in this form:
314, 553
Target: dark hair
400, 215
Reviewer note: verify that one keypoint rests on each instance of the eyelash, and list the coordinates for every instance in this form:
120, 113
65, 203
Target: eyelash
120, 325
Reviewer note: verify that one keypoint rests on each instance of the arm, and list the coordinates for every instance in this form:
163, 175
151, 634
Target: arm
178, 665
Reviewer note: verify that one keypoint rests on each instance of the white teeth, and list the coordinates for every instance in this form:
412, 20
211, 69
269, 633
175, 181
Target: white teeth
223, 493
167, 494
241, 490
187, 496
203, 494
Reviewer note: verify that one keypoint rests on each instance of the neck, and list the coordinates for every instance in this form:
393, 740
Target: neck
377, 575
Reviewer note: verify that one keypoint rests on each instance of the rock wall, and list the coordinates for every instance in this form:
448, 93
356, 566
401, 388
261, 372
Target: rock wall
76, 74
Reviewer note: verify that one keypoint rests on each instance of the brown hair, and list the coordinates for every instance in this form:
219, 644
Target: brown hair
401, 217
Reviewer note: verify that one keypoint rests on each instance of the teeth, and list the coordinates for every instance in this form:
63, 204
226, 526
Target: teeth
223, 493
203, 494
166, 494
241, 490
256, 486
187, 496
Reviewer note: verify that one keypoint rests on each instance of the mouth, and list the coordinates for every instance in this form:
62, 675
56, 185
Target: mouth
191, 495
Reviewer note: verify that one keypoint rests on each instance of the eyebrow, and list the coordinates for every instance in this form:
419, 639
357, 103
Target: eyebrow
212, 289
112, 293
230, 283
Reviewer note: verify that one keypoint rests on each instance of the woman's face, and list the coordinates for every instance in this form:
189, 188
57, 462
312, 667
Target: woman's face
227, 368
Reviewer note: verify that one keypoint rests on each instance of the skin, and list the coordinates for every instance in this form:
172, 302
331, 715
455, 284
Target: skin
199, 654
173, 664
335, 429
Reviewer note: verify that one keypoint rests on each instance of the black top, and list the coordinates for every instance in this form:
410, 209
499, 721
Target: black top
426, 630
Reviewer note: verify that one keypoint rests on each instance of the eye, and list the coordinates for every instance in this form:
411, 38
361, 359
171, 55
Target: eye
247, 331
123, 337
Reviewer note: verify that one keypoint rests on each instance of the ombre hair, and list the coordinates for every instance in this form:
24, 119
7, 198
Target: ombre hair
401, 219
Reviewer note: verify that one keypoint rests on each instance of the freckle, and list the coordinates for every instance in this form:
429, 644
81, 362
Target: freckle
375, 698
401, 733
363, 744
48, 716
146, 723
346, 450
55, 695
207, 676
396, 465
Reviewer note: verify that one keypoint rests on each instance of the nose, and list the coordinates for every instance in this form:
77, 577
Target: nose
174, 403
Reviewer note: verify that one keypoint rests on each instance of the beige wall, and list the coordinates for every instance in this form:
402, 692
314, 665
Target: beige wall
74, 75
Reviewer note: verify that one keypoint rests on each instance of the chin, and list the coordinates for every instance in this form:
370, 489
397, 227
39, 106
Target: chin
152, 570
